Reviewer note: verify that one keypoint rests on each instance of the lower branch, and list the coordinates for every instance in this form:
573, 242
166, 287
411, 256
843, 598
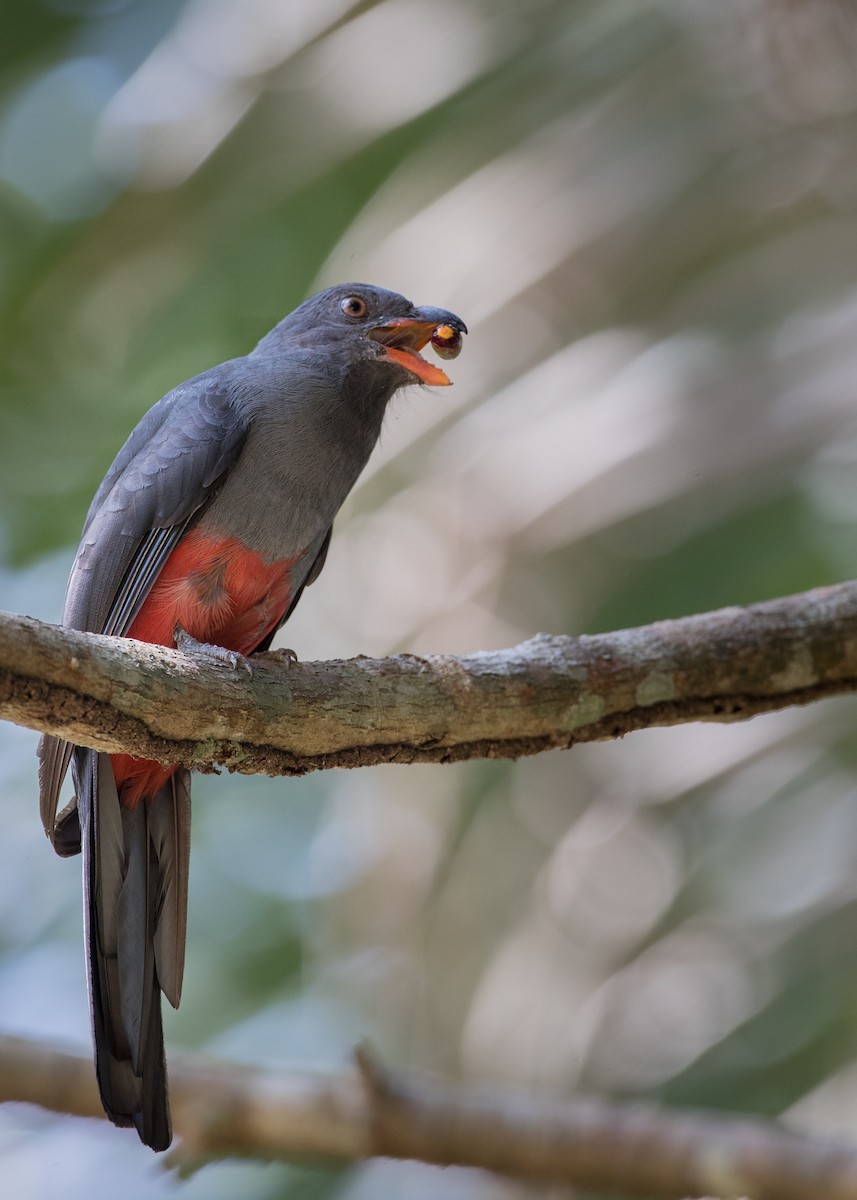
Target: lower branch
638, 1149
115, 694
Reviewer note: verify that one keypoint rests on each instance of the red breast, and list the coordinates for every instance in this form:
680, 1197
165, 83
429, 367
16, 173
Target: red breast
219, 591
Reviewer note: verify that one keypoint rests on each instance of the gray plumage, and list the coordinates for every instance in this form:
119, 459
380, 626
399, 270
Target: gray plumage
261, 449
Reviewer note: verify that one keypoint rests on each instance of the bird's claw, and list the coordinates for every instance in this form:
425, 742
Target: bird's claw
188, 644
284, 655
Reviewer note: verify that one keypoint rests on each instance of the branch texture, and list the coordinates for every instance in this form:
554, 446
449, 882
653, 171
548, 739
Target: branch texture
114, 694
222, 1111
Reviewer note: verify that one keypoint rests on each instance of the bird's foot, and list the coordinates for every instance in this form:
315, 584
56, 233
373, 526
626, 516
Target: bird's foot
188, 644
283, 655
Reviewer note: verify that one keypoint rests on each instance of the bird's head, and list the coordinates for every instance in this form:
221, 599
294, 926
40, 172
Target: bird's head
374, 330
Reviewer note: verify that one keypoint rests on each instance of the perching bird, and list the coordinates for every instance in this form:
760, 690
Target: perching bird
214, 517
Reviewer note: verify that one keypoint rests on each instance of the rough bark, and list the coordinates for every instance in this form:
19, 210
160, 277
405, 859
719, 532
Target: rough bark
549, 692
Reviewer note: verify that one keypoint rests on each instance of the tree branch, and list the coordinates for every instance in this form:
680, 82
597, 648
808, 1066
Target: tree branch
222, 1111
115, 694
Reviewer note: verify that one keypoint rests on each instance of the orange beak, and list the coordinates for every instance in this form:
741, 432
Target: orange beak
404, 337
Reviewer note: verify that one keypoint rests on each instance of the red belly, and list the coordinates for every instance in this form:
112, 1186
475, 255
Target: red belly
219, 591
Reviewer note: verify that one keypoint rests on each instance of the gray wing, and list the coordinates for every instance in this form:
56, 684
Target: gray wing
163, 475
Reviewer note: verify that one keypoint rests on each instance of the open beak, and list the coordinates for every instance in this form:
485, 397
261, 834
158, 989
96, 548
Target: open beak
404, 337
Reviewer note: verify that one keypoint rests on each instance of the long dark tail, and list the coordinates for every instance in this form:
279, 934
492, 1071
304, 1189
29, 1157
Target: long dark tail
135, 869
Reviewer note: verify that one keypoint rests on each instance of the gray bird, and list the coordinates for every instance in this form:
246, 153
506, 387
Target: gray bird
214, 517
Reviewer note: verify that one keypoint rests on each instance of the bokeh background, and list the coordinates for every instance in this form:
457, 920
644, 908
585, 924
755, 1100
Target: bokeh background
646, 210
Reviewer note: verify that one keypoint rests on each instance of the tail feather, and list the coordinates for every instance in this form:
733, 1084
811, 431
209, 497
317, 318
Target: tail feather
132, 859
54, 757
131, 920
169, 833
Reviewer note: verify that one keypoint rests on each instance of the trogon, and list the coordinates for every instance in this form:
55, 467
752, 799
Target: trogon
214, 517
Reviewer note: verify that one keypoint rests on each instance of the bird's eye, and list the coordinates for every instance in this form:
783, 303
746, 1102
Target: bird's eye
353, 306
